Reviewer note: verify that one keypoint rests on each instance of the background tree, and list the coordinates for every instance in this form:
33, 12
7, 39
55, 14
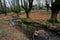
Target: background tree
39, 4
47, 5
27, 6
4, 7
0, 6
11, 6
15, 6
55, 8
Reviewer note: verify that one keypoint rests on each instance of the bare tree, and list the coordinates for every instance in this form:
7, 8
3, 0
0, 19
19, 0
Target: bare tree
1, 6
39, 4
54, 9
27, 6
15, 6
10, 3
4, 6
47, 5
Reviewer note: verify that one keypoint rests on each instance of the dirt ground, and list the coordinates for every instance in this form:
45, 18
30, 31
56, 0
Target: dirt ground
6, 30
40, 15
35, 15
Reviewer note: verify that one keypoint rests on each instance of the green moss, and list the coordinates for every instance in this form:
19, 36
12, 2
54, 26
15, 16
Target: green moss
26, 20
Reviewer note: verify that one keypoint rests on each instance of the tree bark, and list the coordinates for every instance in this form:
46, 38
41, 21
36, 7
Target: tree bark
54, 16
27, 14
17, 14
5, 13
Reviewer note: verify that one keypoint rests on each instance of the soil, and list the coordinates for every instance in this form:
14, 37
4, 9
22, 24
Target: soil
40, 15
8, 32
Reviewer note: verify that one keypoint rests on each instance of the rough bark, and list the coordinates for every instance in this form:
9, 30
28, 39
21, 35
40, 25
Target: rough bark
5, 11
27, 7
27, 14
55, 9
54, 16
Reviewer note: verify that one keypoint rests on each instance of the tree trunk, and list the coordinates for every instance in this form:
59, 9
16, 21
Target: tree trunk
27, 14
17, 14
5, 12
54, 16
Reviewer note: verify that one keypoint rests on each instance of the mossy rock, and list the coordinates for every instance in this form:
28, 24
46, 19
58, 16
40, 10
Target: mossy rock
26, 20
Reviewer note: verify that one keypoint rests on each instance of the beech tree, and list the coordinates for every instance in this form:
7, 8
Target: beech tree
0, 6
55, 9
39, 4
47, 5
15, 6
4, 7
27, 6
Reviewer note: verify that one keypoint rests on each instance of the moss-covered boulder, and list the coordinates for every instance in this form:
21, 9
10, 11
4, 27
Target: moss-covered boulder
26, 20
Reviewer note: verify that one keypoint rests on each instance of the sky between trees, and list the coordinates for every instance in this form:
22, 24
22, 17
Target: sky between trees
34, 2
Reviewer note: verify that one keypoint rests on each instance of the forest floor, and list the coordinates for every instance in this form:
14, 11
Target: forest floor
7, 32
40, 15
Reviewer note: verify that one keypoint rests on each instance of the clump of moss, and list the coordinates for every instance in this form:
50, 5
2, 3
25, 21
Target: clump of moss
26, 20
